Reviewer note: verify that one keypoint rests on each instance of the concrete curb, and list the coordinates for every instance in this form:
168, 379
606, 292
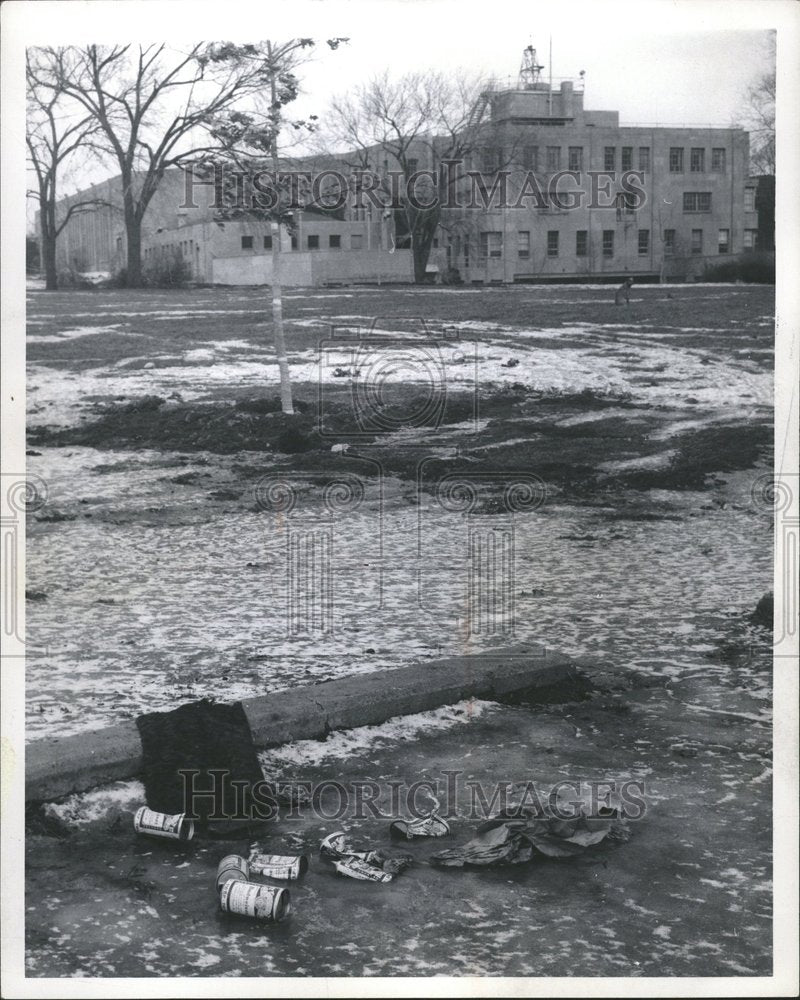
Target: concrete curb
62, 765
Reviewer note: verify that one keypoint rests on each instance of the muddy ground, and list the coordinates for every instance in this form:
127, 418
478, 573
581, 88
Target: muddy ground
616, 452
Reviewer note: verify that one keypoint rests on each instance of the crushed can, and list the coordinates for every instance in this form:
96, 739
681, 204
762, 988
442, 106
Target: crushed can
354, 867
232, 867
426, 826
279, 866
334, 848
251, 899
156, 824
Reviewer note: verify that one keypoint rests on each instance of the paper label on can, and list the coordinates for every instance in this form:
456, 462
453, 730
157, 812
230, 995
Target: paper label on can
356, 868
274, 859
149, 821
249, 899
277, 866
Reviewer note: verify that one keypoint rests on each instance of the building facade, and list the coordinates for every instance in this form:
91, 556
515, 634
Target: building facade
557, 193
580, 196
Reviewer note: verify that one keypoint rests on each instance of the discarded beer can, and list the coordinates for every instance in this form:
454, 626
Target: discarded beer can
249, 899
354, 867
426, 826
232, 867
334, 848
279, 865
156, 824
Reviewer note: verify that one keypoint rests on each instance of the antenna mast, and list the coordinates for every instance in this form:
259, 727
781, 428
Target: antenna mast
529, 69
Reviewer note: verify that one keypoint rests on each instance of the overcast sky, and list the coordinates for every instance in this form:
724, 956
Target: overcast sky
654, 61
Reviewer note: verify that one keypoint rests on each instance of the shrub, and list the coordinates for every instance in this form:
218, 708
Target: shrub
167, 270
758, 268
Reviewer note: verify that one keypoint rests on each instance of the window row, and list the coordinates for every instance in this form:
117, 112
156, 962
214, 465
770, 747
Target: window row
551, 158
696, 244
312, 242
491, 243
697, 160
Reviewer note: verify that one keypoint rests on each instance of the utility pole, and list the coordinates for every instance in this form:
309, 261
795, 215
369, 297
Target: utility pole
287, 404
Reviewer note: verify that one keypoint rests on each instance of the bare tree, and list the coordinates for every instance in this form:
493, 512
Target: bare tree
758, 117
57, 131
760, 122
150, 103
421, 126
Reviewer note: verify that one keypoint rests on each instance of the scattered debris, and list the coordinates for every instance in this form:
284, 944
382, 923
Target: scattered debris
233, 867
157, 824
279, 866
431, 825
372, 866
511, 363
514, 838
248, 899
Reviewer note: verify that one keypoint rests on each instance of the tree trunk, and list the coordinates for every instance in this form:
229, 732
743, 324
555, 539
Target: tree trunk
49, 263
133, 265
48, 256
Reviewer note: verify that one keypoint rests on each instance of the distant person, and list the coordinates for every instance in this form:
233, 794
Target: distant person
624, 290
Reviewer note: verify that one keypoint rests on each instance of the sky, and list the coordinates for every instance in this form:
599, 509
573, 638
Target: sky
655, 61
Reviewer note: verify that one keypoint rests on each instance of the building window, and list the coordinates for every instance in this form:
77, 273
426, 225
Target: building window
644, 159
697, 241
610, 158
749, 199
676, 160
724, 241
530, 158
697, 201
267, 242
750, 239
552, 243
491, 244
247, 243
294, 243
608, 242
335, 242
575, 160
627, 157
697, 161
312, 242
718, 161
625, 203
523, 244
356, 241
581, 242
669, 242
412, 165
466, 251
553, 157
644, 242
